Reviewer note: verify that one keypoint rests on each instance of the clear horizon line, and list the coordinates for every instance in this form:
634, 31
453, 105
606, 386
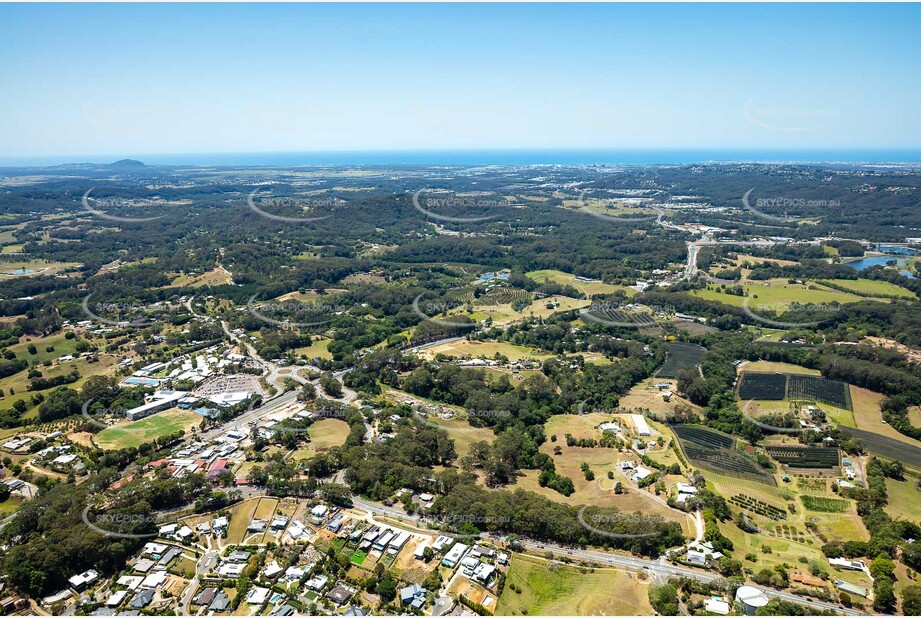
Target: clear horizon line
746, 154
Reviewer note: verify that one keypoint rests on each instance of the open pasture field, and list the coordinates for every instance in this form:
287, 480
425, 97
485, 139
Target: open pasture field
588, 287
578, 425
19, 381
871, 288
486, 349
903, 498
783, 549
914, 415
318, 348
214, 277
463, 434
503, 313
775, 367
147, 429
324, 434
746, 261
105, 365
32, 268
598, 492
551, 589
309, 296
775, 293
62, 347
627, 207
868, 416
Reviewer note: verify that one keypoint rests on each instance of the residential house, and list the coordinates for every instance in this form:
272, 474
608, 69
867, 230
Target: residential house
414, 596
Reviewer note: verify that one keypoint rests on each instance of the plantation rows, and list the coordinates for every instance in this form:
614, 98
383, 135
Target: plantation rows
631, 318
762, 386
704, 437
680, 355
726, 461
789, 532
777, 386
817, 388
805, 456
503, 296
820, 504
757, 506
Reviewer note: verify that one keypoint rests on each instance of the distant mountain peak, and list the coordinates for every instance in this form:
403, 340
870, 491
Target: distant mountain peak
127, 163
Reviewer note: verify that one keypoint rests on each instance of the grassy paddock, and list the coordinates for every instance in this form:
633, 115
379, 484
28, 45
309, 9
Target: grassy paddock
147, 429
774, 292
870, 287
324, 434
556, 590
487, 349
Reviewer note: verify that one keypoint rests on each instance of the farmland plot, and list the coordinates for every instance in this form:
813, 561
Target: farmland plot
777, 386
712, 450
804, 456
680, 355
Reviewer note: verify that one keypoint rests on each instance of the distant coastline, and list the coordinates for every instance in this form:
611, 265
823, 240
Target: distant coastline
660, 156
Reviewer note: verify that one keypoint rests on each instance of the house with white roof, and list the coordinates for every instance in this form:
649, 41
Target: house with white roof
257, 596
272, 569
716, 606
154, 580
640, 473
116, 598
80, 581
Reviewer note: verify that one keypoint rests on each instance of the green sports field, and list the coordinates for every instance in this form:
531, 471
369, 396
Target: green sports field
146, 429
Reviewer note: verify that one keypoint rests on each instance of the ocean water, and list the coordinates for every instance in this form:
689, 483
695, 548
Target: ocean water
494, 157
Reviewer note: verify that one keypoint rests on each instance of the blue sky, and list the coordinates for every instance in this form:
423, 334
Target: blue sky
180, 78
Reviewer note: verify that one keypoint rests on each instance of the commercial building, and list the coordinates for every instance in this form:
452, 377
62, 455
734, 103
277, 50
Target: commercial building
162, 400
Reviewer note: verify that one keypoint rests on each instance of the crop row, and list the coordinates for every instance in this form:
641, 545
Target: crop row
726, 461
704, 437
757, 506
804, 456
680, 354
821, 504
777, 386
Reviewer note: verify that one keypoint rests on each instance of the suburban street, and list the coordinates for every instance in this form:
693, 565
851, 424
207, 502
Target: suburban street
656, 568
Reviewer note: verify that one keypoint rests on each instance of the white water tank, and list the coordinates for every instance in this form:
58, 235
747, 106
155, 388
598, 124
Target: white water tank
751, 599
